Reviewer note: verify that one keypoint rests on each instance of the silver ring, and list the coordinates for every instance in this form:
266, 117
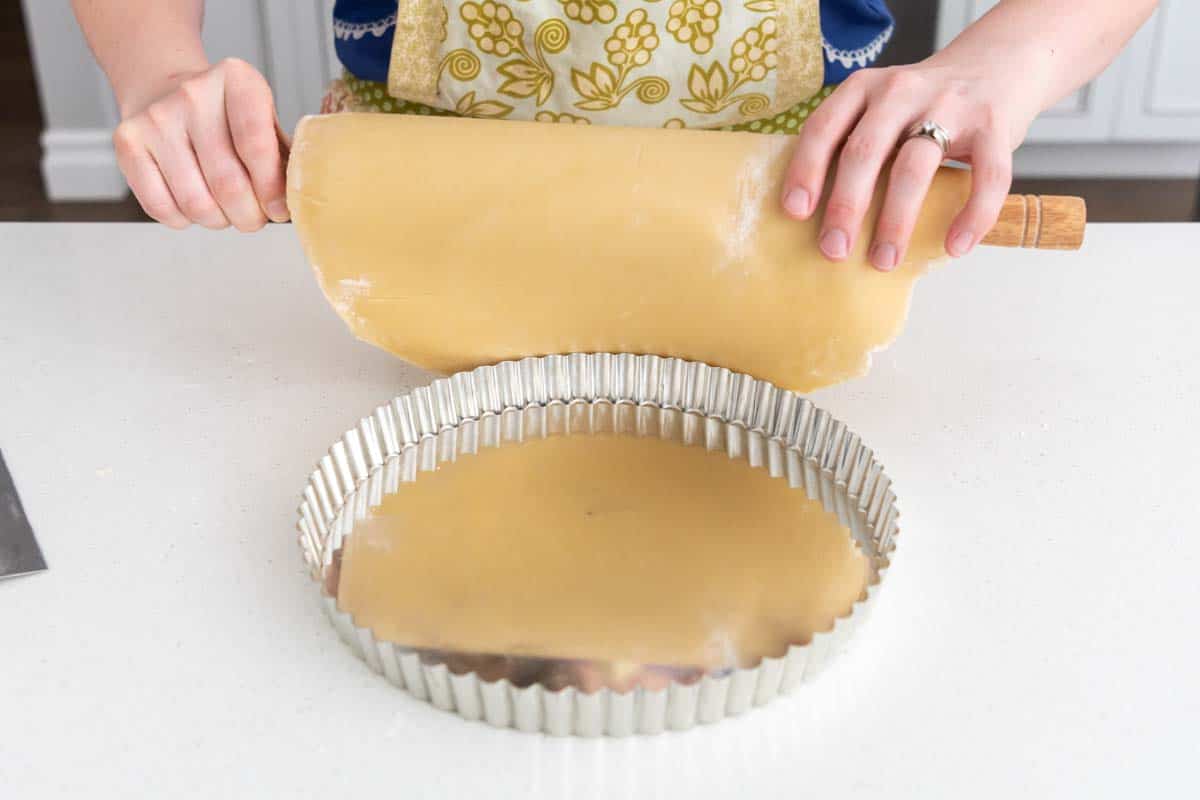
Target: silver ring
928, 129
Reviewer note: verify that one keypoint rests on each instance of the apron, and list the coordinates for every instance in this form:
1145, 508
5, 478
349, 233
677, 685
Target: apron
728, 64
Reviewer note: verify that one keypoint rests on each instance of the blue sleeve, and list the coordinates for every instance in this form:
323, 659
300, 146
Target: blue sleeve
854, 33
362, 36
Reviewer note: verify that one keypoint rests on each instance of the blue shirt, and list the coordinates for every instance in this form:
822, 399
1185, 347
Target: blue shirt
854, 33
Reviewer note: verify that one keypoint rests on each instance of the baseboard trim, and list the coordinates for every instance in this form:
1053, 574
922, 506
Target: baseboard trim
79, 164
1107, 160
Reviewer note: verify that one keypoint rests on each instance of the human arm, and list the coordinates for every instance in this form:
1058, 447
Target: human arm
984, 88
197, 141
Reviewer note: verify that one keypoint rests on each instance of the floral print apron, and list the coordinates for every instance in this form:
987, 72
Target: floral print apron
729, 64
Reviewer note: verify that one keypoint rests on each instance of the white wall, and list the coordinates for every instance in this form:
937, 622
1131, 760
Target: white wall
77, 160
1139, 118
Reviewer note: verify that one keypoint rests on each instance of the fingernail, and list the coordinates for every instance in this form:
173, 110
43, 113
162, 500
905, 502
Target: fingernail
796, 202
883, 256
961, 243
834, 243
277, 210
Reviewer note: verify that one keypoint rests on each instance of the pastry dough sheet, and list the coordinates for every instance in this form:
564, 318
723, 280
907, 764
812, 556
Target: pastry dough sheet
602, 547
454, 243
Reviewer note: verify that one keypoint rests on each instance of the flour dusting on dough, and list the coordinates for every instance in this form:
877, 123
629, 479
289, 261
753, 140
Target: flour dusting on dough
356, 286
349, 290
721, 650
344, 297
752, 185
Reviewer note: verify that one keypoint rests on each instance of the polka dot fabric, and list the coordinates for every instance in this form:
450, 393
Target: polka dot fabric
790, 121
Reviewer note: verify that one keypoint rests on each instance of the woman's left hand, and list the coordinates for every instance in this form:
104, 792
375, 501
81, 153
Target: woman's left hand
978, 104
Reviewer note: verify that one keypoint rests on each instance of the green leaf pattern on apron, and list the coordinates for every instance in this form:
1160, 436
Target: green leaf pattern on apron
629, 47
753, 55
588, 12
497, 32
693, 22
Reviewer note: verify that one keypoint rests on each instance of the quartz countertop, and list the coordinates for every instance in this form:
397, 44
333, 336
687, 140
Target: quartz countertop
164, 395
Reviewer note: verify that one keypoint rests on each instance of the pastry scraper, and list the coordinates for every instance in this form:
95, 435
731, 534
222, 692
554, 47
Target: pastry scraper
19, 551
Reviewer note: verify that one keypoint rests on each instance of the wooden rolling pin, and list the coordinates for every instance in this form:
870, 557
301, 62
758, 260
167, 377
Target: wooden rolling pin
1044, 222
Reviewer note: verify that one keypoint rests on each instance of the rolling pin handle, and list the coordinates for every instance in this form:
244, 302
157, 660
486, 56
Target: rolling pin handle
1044, 222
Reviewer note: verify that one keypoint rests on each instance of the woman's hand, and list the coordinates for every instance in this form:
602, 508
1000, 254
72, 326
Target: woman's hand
206, 150
862, 122
984, 89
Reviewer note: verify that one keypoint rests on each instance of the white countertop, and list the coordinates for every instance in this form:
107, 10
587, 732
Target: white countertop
164, 395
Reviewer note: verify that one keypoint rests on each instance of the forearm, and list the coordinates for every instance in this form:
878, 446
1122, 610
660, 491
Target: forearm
1055, 45
146, 47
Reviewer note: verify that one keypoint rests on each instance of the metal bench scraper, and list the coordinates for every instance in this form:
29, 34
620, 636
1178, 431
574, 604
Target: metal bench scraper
19, 551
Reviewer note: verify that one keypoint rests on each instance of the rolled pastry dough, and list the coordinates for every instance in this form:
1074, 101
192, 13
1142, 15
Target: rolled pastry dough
615, 548
454, 243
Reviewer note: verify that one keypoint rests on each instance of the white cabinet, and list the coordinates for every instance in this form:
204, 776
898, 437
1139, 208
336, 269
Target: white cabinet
1082, 117
1140, 117
1161, 101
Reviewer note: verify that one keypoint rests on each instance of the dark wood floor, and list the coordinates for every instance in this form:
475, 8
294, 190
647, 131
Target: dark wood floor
22, 196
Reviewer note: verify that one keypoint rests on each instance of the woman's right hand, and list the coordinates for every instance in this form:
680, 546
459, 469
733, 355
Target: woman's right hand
207, 151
